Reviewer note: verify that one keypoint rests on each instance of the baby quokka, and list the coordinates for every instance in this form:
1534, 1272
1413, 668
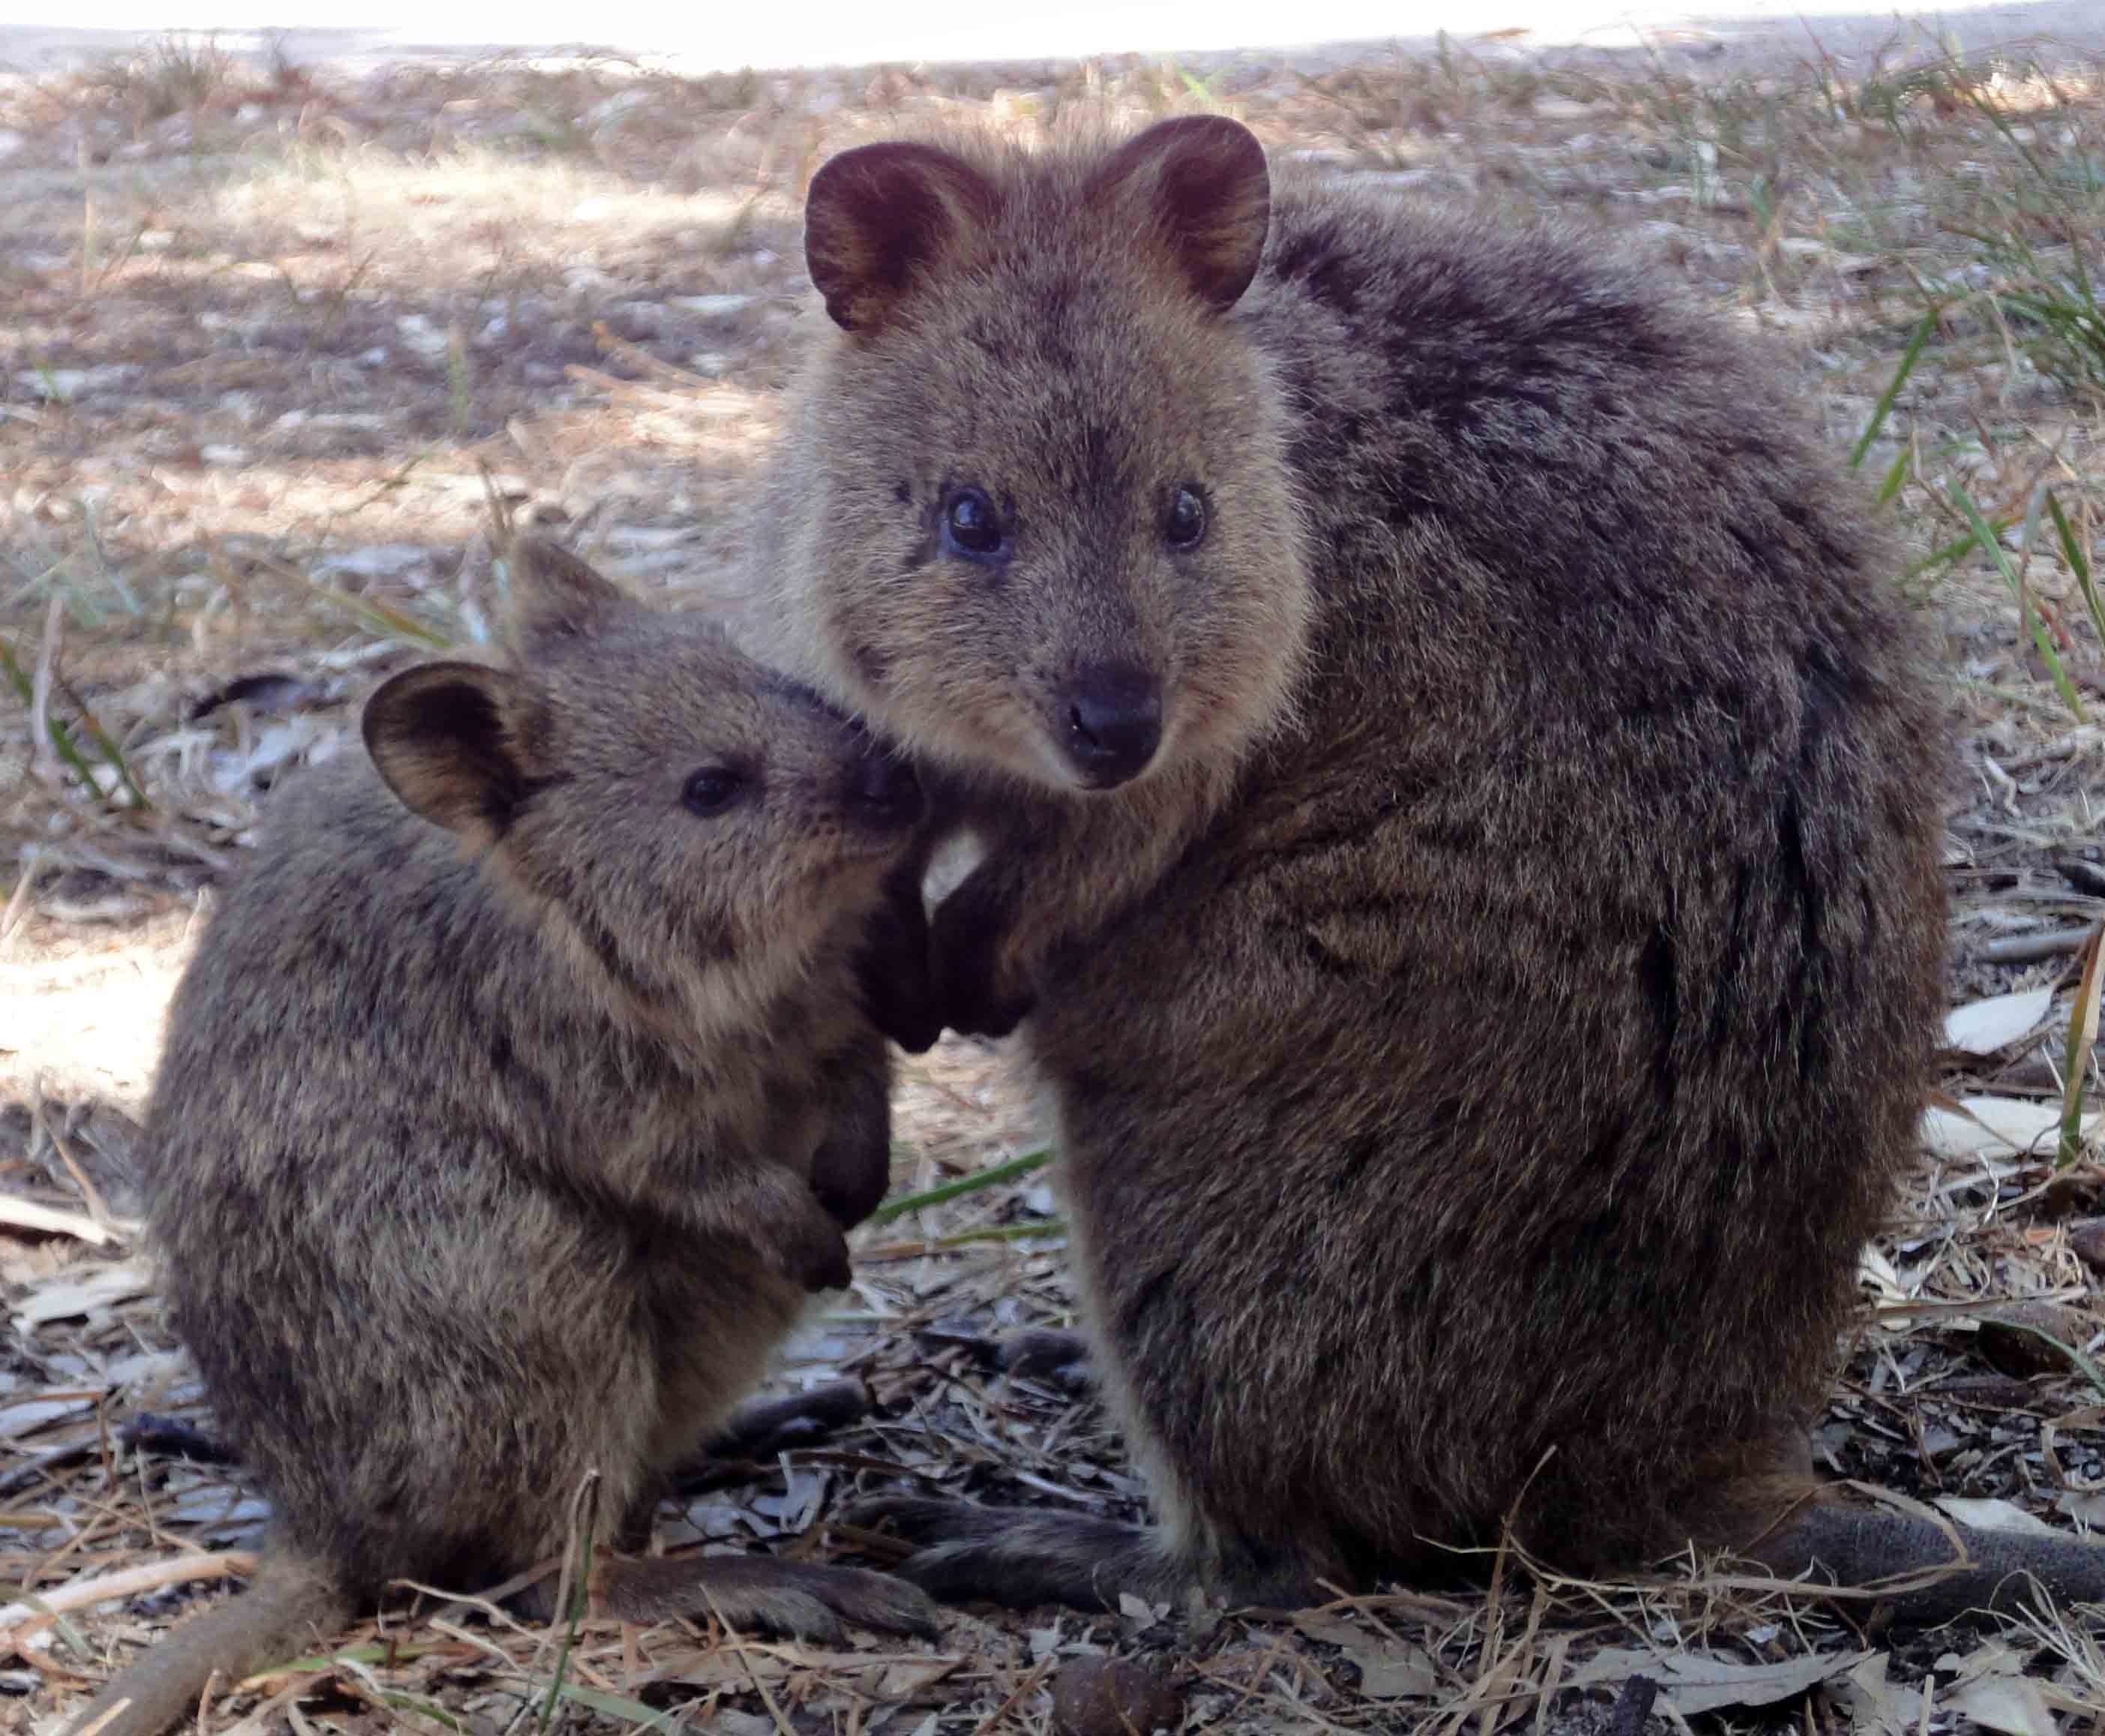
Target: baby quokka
515, 1102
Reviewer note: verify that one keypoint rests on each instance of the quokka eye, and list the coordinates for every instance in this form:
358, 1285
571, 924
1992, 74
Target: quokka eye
711, 789
972, 526
1184, 525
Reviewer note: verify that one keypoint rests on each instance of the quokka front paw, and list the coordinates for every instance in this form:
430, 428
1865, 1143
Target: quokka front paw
784, 1223
971, 991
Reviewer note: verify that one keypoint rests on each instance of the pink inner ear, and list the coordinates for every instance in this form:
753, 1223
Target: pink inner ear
439, 736
1205, 192
878, 215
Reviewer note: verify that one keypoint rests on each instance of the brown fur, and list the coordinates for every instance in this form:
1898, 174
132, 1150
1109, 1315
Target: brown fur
473, 1170
1486, 1032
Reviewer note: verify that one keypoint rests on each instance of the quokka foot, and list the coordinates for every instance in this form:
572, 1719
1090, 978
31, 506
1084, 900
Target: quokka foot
792, 1599
1043, 1353
1020, 1558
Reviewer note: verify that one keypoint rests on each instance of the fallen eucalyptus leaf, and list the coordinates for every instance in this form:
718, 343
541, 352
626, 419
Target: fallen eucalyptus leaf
2012, 1704
1876, 1706
1993, 1126
1389, 1670
1987, 1513
1695, 1683
1983, 1027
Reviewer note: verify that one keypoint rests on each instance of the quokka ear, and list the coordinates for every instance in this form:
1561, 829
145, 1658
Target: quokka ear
555, 594
1198, 186
879, 215
442, 735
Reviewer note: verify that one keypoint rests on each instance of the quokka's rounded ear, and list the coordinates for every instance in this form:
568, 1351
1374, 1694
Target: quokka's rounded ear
1199, 188
554, 593
442, 737
878, 215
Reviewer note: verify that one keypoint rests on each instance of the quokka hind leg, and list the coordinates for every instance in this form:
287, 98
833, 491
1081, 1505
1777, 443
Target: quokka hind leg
795, 1599
1918, 1571
280, 1615
964, 1552
1023, 1558
1834, 1542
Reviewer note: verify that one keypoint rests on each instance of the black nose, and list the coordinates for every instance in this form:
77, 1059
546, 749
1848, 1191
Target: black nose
884, 790
1114, 724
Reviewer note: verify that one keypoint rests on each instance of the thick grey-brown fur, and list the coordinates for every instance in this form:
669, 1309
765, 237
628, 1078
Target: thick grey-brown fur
484, 1158
1485, 1034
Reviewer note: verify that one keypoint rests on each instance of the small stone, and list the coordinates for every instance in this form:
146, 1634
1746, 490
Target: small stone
419, 334
69, 385
379, 560
713, 307
2011, 1337
1113, 1697
2088, 1240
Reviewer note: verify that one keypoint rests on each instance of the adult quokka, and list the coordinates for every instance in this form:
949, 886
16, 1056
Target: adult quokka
1462, 799
517, 1097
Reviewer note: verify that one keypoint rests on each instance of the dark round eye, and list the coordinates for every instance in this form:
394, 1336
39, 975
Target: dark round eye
1186, 525
971, 525
711, 789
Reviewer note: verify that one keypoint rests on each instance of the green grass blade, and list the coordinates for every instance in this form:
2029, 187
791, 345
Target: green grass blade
1990, 544
992, 1176
2079, 563
2028, 536
2077, 1360
61, 737
1950, 553
1051, 1227
315, 1663
1201, 88
357, 1661
1896, 478
616, 1706
1885, 407
22, 684
390, 623
104, 746
2075, 1057
580, 1601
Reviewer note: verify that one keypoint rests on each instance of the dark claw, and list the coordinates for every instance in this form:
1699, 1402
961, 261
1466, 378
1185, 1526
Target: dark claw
147, 1432
1042, 1354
